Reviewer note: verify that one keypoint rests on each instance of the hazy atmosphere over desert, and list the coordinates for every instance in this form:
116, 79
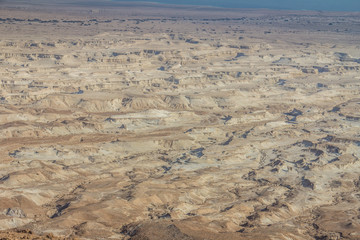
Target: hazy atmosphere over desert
148, 121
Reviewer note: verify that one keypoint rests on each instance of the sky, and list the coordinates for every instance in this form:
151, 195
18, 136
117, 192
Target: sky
323, 5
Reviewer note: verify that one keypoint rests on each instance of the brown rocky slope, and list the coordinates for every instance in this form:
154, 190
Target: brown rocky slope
157, 123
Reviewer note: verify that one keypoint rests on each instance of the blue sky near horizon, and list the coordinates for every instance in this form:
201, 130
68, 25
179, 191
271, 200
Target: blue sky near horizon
323, 5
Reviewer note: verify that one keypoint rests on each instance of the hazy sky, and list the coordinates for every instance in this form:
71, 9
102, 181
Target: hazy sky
330, 5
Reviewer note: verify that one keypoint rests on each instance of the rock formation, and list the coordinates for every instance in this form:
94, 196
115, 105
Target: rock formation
196, 125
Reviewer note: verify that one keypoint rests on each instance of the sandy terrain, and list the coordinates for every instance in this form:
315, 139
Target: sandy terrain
130, 122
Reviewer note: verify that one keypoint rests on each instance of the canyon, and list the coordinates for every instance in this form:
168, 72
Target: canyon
124, 121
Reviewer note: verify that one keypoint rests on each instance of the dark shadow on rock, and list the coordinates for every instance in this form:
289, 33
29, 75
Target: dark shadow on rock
154, 231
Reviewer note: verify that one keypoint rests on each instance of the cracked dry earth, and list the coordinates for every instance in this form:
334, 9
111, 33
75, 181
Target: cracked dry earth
155, 127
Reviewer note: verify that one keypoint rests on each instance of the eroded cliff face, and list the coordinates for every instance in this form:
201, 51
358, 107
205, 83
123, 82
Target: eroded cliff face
180, 128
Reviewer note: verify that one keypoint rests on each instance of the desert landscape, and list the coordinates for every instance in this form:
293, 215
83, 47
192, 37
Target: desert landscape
148, 122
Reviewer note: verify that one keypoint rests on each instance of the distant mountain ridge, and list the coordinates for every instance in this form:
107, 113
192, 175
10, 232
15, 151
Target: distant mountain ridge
320, 5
